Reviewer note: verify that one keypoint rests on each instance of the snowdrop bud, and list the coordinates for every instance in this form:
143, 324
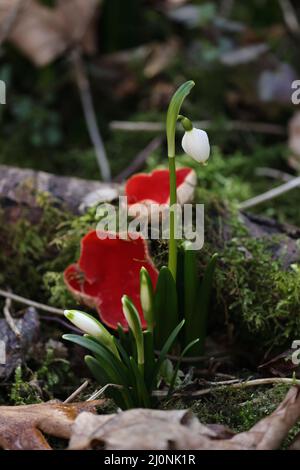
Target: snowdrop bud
134, 322
89, 325
147, 297
196, 144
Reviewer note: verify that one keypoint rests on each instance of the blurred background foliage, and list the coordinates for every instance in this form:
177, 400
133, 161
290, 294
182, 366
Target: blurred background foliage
243, 57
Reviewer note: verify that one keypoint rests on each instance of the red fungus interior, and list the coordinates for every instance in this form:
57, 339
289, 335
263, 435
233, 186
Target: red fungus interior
108, 269
154, 186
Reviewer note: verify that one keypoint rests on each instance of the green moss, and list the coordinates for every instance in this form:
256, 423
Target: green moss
23, 392
26, 247
52, 378
262, 300
239, 409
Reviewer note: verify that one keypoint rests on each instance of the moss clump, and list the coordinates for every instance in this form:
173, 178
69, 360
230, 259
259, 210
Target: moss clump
239, 409
262, 300
26, 246
52, 378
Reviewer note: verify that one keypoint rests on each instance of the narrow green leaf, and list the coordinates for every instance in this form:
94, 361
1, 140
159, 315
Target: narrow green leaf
147, 298
200, 316
121, 397
143, 393
166, 348
184, 352
173, 112
112, 366
149, 356
166, 307
191, 283
134, 322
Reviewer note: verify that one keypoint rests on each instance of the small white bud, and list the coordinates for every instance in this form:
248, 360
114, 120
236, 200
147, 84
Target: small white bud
146, 295
195, 143
89, 325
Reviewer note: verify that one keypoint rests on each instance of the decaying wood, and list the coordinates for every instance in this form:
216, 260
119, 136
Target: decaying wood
22, 427
16, 347
180, 429
20, 187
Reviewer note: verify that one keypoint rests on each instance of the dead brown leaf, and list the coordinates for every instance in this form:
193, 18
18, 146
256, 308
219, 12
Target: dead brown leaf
162, 55
43, 33
22, 427
160, 430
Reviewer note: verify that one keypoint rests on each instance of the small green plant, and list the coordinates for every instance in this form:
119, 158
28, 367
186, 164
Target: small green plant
127, 364
175, 311
179, 293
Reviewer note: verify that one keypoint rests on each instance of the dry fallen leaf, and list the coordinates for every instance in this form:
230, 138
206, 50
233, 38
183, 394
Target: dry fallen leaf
43, 33
160, 430
22, 427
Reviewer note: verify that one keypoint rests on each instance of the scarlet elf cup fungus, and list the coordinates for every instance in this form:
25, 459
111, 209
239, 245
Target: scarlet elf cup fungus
107, 269
154, 188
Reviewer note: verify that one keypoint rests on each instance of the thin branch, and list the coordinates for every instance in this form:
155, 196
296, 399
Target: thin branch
273, 193
10, 21
290, 16
100, 392
274, 174
243, 126
77, 392
31, 303
61, 322
140, 159
240, 385
195, 359
84, 89
9, 319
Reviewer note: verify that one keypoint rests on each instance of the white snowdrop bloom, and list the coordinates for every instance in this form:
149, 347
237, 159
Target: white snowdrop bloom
89, 325
195, 143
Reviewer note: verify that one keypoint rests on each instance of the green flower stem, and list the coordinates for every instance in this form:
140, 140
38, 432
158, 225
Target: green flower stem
173, 202
172, 117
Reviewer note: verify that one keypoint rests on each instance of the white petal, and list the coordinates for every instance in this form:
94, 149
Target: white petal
196, 144
84, 322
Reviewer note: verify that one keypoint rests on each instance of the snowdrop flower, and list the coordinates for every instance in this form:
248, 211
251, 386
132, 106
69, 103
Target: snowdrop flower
134, 322
89, 325
146, 295
196, 144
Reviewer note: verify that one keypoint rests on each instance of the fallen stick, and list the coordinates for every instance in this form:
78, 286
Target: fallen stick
9, 319
78, 390
271, 194
239, 385
257, 127
31, 303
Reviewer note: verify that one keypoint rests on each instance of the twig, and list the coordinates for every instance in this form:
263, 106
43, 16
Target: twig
67, 325
31, 303
9, 319
139, 160
273, 193
257, 127
10, 21
100, 392
194, 359
84, 88
77, 392
249, 383
290, 16
274, 174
